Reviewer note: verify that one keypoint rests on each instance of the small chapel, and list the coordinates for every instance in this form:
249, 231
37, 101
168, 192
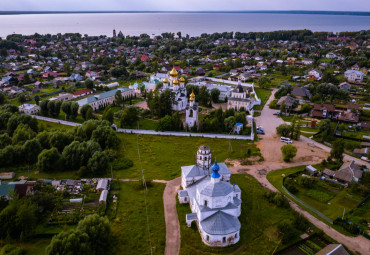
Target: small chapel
215, 202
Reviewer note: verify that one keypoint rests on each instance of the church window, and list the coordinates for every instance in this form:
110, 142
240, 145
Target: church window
224, 239
236, 195
191, 114
200, 157
236, 235
185, 199
205, 158
205, 203
207, 237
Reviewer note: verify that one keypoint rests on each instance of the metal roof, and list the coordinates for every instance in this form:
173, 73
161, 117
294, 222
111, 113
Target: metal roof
220, 223
217, 189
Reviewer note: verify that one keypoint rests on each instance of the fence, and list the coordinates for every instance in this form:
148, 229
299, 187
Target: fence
308, 206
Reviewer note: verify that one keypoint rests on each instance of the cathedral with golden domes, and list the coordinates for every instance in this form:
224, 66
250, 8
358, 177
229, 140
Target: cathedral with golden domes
170, 81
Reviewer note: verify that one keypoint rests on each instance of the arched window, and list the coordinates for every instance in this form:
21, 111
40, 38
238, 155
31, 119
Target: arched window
205, 158
191, 114
200, 157
207, 237
236, 235
224, 239
205, 203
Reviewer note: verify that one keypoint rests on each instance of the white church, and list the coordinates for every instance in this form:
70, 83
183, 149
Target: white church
171, 83
214, 202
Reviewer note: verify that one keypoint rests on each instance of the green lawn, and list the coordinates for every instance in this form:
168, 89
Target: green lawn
258, 235
162, 156
130, 225
264, 95
329, 199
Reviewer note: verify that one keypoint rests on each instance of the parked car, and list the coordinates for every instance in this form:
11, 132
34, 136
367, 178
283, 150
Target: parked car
260, 130
365, 158
286, 140
276, 113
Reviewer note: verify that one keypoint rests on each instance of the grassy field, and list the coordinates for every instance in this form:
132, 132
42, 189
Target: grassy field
259, 233
162, 156
264, 95
130, 225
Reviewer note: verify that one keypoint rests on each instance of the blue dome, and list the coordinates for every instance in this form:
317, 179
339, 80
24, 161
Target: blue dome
215, 169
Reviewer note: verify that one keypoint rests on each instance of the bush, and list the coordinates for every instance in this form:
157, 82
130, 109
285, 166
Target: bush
306, 182
276, 198
290, 186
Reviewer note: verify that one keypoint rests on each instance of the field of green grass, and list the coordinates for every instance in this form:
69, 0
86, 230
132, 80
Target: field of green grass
258, 234
130, 225
162, 156
328, 198
264, 95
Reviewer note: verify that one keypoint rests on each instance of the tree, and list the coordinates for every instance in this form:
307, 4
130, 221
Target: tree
204, 97
118, 98
66, 108
37, 99
70, 242
283, 130
99, 231
229, 123
60, 139
337, 150
21, 98
118, 71
105, 136
84, 110
89, 84
108, 114
89, 114
5, 140
44, 107
98, 163
289, 152
129, 117
31, 149
74, 110
215, 94
264, 82
325, 129
26, 78
2, 98
22, 134
295, 128
48, 160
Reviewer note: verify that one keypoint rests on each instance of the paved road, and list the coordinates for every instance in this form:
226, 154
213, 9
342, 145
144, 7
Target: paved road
62, 122
173, 240
172, 133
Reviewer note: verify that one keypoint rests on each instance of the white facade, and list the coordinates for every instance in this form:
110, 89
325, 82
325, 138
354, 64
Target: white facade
29, 108
354, 75
214, 202
239, 98
170, 82
107, 98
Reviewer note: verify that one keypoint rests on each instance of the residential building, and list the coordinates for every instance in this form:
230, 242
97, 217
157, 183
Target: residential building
106, 98
354, 75
348, 172
239, 98
29, 109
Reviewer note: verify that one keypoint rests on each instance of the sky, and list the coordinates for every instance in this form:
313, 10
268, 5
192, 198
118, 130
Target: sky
183, 5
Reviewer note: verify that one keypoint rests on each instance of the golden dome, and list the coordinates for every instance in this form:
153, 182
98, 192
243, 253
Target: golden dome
165, 80
192, 96
175, 82
182, 80
173, 72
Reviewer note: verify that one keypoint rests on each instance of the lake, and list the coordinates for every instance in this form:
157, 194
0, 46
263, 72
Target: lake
188, 23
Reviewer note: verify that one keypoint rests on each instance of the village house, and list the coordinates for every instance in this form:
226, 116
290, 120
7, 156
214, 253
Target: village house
348, 172
314, 75
29, 109
354, 76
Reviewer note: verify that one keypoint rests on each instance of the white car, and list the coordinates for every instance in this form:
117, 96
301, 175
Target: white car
286, 140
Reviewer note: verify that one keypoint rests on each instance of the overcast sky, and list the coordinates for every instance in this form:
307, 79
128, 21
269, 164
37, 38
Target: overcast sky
182, 5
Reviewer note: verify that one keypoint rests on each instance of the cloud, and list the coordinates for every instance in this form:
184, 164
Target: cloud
181, 5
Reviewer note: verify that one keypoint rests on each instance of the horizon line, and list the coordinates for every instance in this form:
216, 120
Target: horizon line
357, 13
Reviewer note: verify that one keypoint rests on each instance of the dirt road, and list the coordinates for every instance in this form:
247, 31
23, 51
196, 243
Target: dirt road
173, 240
